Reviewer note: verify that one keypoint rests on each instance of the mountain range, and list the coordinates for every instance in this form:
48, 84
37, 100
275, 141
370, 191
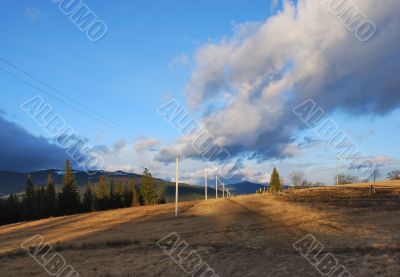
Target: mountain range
14, 182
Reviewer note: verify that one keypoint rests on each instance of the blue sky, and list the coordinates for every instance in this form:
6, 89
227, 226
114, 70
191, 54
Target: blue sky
128, 73
150, 55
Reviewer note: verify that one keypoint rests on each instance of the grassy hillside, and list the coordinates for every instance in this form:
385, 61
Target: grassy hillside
241, 236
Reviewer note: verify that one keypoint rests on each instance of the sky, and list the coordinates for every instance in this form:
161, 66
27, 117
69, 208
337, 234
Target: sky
238, 67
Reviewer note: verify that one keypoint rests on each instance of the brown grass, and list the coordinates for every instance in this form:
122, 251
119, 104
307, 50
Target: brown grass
242, 236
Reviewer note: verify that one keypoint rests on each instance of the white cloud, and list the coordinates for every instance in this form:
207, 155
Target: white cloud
145, 144
384, 161
291, 150
247, 85
274, 5
178, 61
119, 145
302, 52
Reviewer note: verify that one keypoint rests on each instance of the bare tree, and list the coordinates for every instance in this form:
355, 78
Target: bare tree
394, 175
297, 178
376, 173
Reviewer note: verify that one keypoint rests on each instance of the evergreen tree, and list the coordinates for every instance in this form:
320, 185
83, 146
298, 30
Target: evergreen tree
160, 199
40, 194
147, 189
119, 196
275, 182
112, 197
69, 198
11, 210
89, 200
50, 197
127, 197
134, 194
102, 194
29, 212
2, 212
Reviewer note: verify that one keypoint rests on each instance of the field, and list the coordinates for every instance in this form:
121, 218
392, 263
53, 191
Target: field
241, 236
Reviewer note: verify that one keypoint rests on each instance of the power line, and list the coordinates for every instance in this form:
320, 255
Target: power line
89, 112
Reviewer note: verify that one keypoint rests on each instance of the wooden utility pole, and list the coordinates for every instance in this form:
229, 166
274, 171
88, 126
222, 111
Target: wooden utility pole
177, 186
216, 186
205, 183
337, 171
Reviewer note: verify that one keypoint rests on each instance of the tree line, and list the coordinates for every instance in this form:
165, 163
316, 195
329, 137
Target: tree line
40, 202
375, 174
299, 180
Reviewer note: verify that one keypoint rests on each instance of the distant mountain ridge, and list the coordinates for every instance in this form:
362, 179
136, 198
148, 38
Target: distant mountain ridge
246, 187
14, 182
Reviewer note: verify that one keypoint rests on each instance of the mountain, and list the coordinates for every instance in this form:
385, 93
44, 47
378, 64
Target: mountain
245, 187
14, 182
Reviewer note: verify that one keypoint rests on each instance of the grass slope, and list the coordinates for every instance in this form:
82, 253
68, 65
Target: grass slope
241, 236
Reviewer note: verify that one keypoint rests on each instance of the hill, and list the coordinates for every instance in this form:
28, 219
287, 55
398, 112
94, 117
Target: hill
245, 187
14, 182
242, 236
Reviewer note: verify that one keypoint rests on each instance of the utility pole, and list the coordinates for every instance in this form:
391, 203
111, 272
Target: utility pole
216, 186
223, 190
337, 171
177, 186
205, 183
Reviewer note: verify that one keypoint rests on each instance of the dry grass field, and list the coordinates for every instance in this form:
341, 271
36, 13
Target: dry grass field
241, 236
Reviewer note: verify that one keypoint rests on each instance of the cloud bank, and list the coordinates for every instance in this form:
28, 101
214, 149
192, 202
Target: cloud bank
246, 86
21, 151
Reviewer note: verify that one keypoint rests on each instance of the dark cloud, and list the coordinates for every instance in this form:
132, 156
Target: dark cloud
166, 156
115, 148
103, 149
309, 142
21, 151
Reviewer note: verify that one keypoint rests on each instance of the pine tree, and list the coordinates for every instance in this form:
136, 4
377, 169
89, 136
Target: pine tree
119, 196
50, 197
29, 199
89, 200
147, 189
275, 182
112, 198
40, 194
102, 194
160, 198
127, 197
10, 210
134, 194
2, 212
69, 198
